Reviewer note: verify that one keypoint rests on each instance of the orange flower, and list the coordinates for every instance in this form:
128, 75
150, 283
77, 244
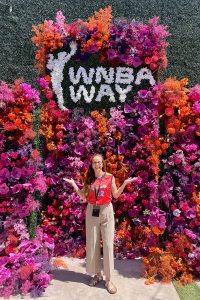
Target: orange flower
171, 130
11, 116
184, 81
197, 121
164, 146
157, 142
59, 263
156, 230
184, 111
48, 39
150, 280
51, 146
155, 249
101, 19
198, 132
101, 121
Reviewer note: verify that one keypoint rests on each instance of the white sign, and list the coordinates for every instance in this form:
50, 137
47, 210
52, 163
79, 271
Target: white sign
96, 81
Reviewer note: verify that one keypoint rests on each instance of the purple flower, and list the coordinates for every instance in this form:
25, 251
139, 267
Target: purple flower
79, 149
121, 149
111, 54
111, 142
136, 61
190, 213
30, 93
49, 162
143, 121
128, 108
16, 173
188, 188
157, 218
3, 261
4, 189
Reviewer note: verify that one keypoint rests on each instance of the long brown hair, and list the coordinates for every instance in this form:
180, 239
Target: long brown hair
90, 175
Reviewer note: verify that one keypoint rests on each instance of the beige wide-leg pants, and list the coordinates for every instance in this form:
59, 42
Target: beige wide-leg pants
96, 227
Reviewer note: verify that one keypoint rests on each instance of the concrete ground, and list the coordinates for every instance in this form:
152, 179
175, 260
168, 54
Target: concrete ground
72, 284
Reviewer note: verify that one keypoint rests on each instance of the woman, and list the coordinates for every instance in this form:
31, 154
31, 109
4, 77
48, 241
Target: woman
98, 190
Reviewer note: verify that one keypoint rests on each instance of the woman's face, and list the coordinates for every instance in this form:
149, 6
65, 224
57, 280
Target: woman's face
97, 163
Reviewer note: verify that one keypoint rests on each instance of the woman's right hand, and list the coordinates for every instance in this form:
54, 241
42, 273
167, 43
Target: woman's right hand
70, 181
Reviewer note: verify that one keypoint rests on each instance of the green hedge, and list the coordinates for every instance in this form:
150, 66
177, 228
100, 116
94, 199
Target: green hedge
17, 16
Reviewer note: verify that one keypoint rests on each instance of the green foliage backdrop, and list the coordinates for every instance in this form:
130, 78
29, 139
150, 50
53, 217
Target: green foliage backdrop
17, 17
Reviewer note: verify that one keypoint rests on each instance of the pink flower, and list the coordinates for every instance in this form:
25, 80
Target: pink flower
190, 234
6, 94
169, 111
13, 155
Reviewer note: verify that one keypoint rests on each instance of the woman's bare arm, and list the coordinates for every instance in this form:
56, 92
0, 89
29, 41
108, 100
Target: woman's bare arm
116, 192
80, 192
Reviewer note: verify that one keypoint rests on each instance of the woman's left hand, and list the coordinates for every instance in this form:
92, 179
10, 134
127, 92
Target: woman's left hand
130, 180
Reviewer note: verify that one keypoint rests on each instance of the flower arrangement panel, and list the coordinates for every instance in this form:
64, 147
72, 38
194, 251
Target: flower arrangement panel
102, 62
24, 263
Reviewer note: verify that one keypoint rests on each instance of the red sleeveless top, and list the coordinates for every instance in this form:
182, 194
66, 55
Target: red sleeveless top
100, 191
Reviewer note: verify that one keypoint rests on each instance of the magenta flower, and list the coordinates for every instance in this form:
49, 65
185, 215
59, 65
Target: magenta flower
79, 149
157, 218
29, 93
4, 189
17, 188
121, 149
4, 174
136, 61
27, 171
128, 108
43, 83
190, 234
142, 93
49, 162
4, 159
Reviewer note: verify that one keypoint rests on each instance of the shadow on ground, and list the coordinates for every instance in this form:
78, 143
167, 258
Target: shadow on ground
126, 268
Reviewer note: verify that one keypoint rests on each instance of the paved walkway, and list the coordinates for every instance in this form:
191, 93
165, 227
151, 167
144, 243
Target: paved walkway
72, 284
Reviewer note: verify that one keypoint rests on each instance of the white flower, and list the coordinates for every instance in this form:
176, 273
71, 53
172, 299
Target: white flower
176, 212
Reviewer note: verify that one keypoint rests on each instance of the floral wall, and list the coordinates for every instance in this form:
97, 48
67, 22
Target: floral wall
150, 131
